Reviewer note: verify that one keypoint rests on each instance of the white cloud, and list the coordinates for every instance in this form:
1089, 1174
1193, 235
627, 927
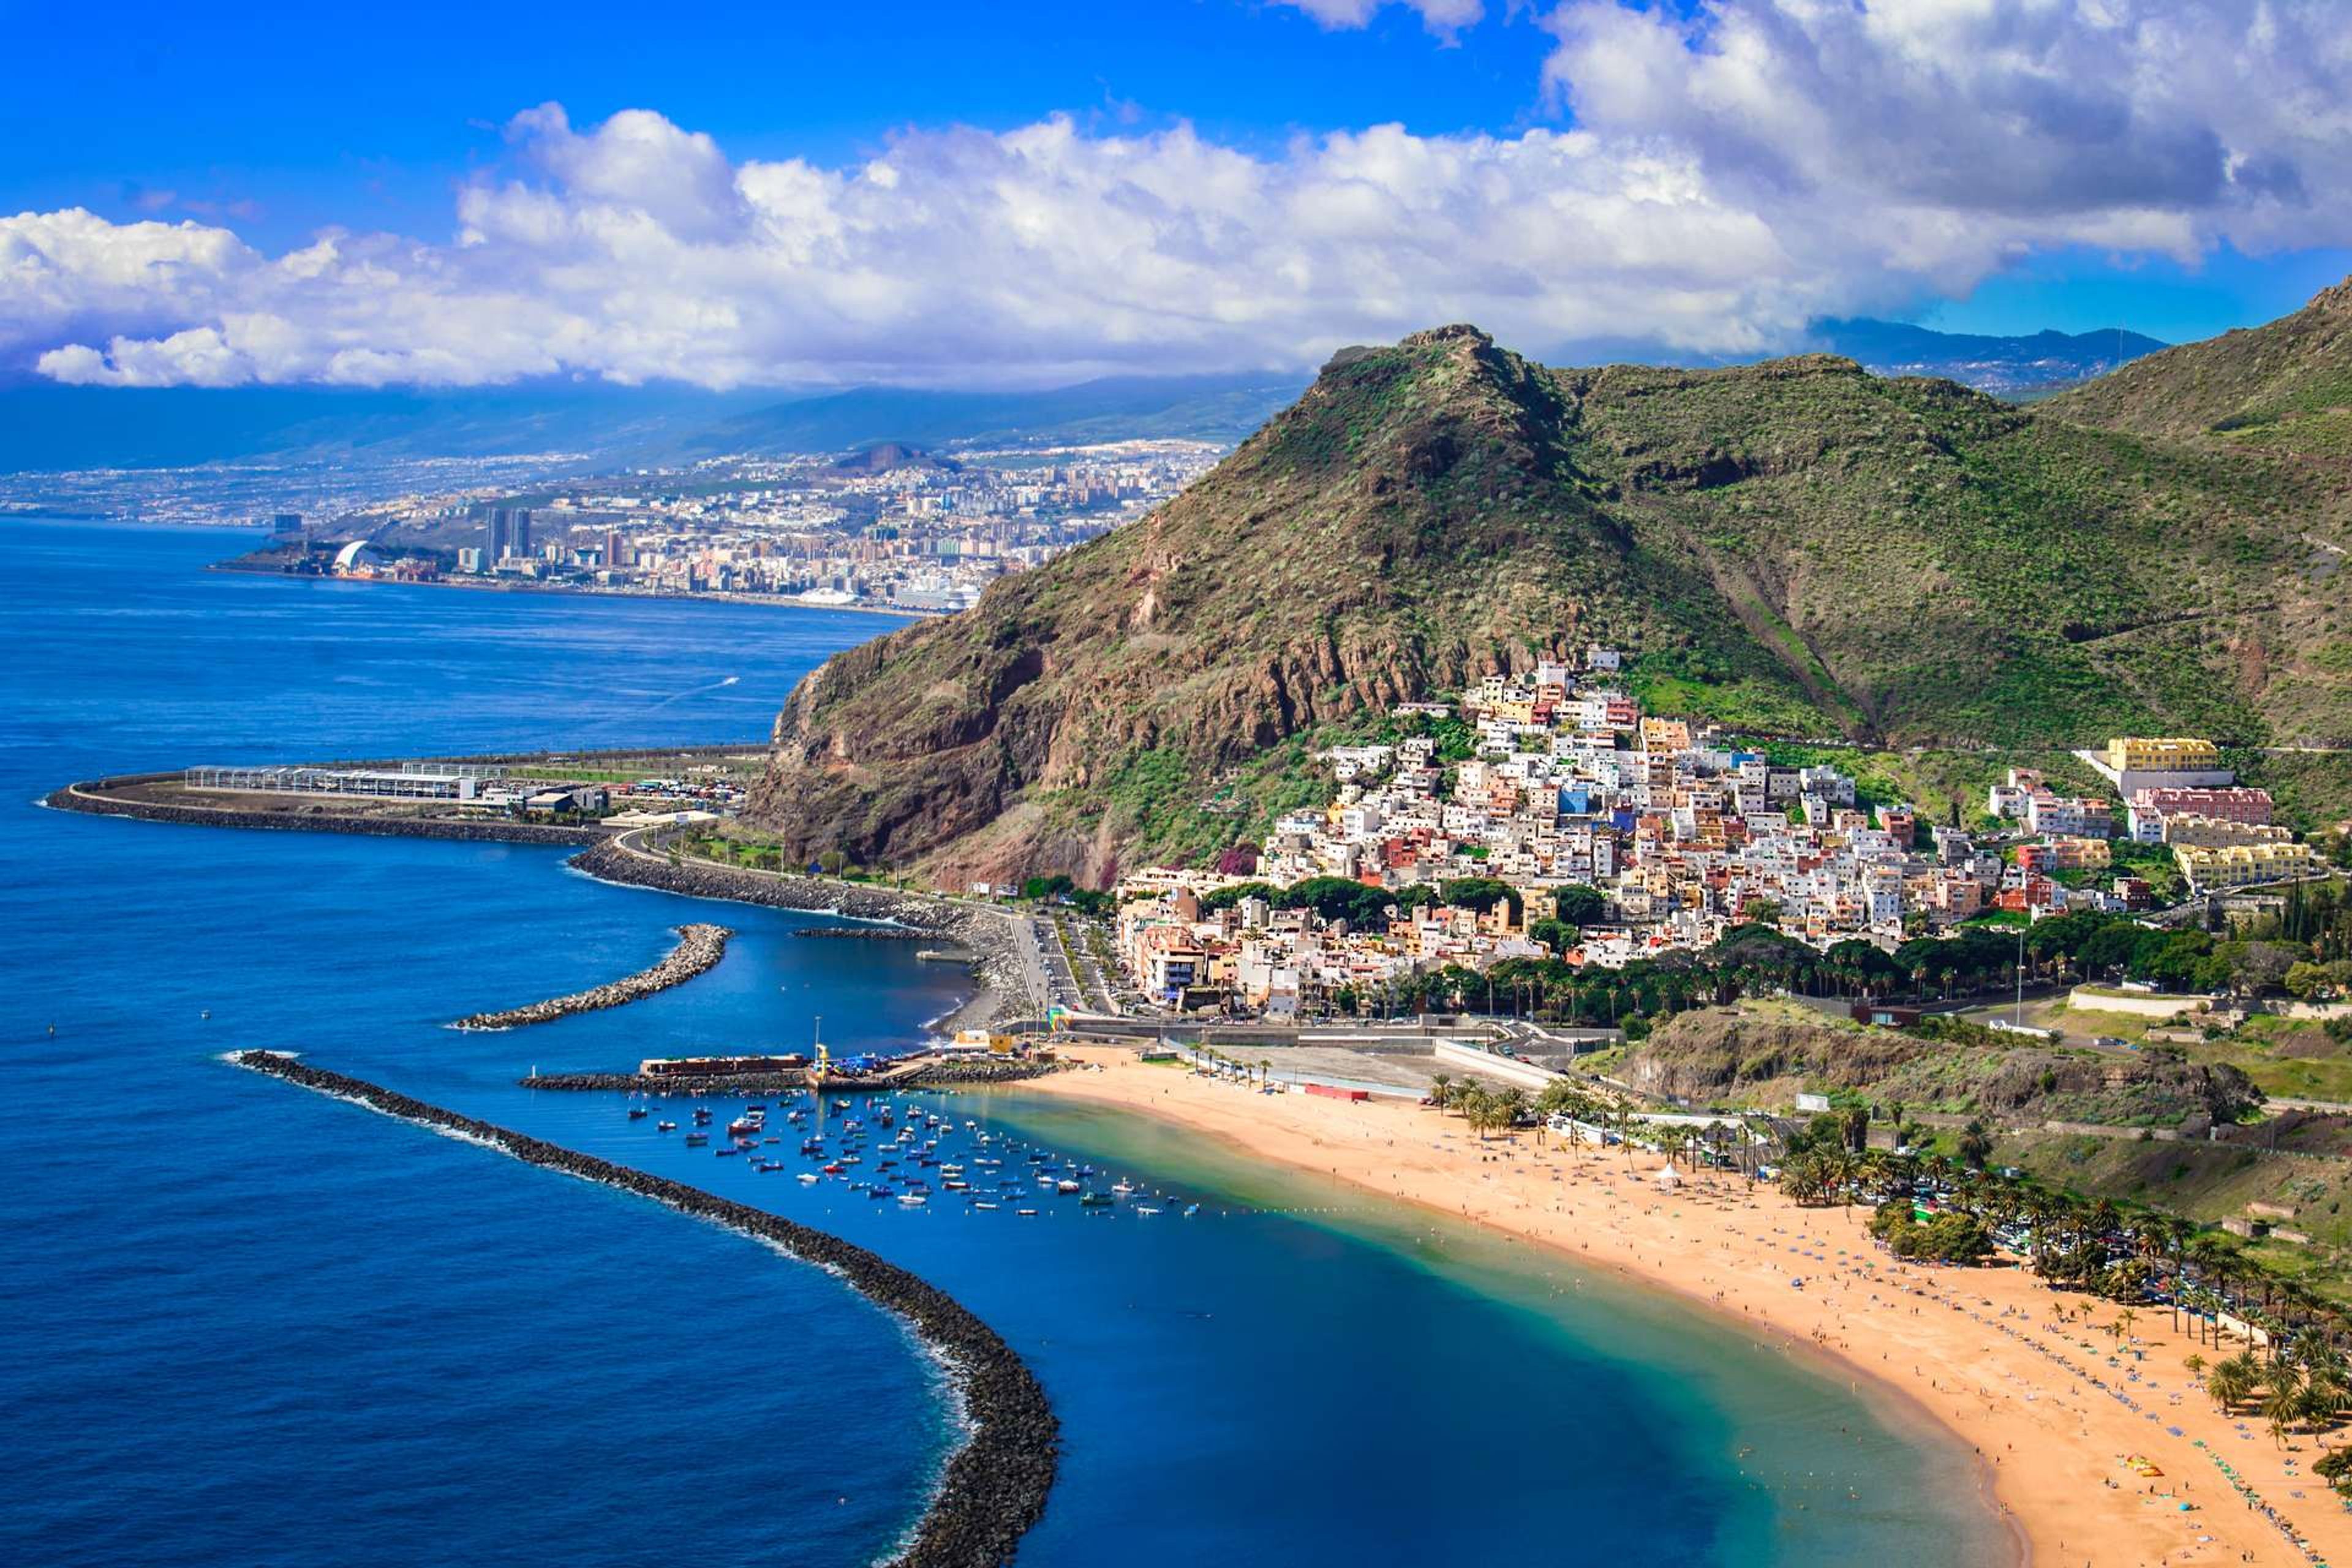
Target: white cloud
1726, 181
1443, 17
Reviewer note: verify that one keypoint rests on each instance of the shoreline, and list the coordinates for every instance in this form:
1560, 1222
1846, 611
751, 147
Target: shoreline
700, 948
995, 1483
997, 967
758, 600
999, 971
1988, 1364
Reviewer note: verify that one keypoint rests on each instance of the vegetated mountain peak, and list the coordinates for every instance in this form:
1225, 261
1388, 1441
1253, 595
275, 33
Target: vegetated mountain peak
2285, 386
1794, 547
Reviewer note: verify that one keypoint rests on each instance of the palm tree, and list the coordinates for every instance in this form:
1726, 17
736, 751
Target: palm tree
1440, 1087
2228, 1383
2283, 1407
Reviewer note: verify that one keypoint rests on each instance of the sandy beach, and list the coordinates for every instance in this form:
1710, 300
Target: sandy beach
2029, 1377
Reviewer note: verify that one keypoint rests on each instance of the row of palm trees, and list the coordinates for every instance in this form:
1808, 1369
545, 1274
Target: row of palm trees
2310, 1388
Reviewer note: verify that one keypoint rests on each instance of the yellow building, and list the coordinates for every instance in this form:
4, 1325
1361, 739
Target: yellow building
2166, 754
2243, 865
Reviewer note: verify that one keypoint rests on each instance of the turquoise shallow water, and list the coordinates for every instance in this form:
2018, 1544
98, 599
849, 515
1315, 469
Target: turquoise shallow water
253, 1326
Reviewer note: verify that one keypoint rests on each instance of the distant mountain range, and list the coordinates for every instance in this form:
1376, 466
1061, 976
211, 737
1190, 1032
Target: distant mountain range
2011, 367
45, 427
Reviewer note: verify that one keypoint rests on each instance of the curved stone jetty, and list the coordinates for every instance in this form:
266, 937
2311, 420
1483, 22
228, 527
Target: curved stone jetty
995, 1485
985, 936
698, 947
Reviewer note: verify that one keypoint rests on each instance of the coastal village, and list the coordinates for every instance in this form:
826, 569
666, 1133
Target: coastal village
1549, 816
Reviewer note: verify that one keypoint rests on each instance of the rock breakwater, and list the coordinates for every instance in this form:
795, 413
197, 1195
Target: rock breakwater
698, 948
985, 936
995, 1485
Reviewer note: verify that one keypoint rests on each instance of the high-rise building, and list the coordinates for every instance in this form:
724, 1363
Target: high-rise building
496, 546
615, 551
521, 523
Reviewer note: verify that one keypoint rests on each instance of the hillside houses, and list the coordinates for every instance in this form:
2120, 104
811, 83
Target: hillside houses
1556, 780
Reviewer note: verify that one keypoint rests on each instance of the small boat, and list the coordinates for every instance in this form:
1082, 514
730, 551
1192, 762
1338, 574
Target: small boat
637, 1113
878, 1192
1192, 1209
1031, 1212
953, 1185
808, 1178
1094, 1201
702, 1117
984, 1203
1067, 1187
697, 1140
724, 1153
1122, 1188
665, 1126
1145, 1208
833, 1169
912, 1200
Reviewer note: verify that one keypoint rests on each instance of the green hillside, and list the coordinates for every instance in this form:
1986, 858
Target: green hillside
1796, 548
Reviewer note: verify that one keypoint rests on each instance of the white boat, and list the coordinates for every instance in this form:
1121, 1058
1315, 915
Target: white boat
912, 1200
808, 1178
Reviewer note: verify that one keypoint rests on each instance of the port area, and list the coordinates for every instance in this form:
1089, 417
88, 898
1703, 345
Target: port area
685, 1077
576, 796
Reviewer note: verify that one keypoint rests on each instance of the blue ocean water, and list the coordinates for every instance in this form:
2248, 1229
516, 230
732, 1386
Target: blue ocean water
254, 1326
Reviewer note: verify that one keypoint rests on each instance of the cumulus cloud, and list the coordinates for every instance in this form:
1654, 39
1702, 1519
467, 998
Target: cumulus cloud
1725, 179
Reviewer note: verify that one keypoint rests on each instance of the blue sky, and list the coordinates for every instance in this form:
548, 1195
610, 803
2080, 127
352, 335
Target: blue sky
930, 193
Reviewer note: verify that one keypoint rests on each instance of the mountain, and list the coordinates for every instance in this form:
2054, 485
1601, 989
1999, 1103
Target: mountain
1795, 548
2010, 366
45, 427
1201, 408
2286, 386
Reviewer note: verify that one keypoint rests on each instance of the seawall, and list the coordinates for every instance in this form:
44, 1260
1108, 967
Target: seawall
995, 1485
698, 948
89, 797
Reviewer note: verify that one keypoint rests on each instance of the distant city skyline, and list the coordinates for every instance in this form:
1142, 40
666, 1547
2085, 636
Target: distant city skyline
935, 196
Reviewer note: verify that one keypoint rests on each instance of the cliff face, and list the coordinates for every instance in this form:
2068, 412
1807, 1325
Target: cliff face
1794, 548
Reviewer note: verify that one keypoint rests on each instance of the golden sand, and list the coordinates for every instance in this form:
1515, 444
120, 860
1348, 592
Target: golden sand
2029, 1377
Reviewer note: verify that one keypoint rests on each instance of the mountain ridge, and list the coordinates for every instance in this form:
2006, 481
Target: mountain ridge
1793, 547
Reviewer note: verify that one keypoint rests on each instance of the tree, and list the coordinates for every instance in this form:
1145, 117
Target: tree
1975, 1146
1579, 904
